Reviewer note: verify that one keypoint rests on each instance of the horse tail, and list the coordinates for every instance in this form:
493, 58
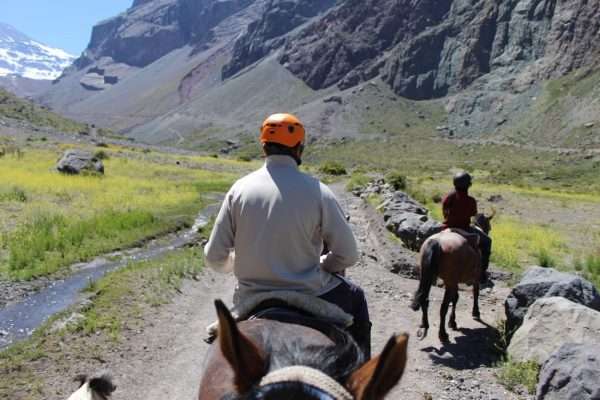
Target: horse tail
430, 260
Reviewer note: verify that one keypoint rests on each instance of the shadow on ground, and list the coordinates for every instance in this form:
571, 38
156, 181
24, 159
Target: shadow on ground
475, 348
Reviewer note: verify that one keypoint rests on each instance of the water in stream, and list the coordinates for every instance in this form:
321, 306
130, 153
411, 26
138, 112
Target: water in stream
19, 320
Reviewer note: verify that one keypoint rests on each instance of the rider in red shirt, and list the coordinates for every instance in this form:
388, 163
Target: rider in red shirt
458, 208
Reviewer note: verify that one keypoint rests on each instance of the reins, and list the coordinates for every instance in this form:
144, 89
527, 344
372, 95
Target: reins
308, 376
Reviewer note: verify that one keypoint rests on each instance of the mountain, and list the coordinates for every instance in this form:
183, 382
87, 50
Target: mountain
194, 71
22, 56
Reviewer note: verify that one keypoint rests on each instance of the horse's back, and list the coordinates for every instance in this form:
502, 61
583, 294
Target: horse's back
459, 261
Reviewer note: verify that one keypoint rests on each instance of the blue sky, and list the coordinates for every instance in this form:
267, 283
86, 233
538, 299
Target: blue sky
66, 24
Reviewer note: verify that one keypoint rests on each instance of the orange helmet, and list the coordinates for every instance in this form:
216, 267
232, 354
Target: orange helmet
284, 129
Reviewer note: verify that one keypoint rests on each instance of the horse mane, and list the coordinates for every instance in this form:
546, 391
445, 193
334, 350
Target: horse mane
337, 361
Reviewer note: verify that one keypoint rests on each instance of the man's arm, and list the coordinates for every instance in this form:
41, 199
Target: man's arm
336, 232
218, 252
446, 206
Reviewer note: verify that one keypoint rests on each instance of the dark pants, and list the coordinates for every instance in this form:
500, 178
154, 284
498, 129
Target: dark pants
485, 245
351, 298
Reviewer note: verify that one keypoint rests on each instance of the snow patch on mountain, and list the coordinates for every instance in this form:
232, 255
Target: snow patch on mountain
23, 56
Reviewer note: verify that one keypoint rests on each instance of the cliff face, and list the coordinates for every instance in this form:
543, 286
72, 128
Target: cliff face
152, 28
430, 48
268, 33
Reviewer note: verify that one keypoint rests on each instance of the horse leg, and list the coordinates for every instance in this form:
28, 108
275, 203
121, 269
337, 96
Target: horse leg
476, 314
452, 322
443, 335
422, 332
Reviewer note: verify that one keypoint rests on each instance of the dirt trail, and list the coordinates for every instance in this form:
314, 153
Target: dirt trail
165, 360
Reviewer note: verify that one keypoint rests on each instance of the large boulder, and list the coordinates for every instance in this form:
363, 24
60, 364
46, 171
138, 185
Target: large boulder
541, 282
78, 161
549, 323
571, 373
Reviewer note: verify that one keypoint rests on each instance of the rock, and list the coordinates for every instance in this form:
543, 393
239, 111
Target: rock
333, 99
495, 198
78, 161
541, 282
589, 125
72, 320
571, 373
267, 33
151, 29
549, 323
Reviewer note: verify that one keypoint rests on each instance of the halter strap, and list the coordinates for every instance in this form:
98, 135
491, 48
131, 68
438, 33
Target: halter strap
309, 376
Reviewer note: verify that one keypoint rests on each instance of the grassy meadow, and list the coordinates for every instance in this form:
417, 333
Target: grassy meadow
50, 220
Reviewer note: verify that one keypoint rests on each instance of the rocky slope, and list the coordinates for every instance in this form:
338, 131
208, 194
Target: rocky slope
432, 48
163, 64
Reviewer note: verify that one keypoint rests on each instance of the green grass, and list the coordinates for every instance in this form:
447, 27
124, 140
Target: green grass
332, 168
49, 241
16, 108
517, 244
357, 180
122, 302
590, 268
515, 374
50, 220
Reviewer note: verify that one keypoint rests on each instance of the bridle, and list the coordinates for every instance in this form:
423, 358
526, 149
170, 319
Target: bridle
326, 385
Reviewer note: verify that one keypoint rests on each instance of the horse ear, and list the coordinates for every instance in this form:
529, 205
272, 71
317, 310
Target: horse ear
378, 376
246, 360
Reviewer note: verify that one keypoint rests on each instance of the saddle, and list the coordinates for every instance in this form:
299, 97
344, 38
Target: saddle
472, 238
293, 308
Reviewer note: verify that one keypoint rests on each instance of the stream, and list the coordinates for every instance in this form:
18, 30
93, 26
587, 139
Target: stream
20, 319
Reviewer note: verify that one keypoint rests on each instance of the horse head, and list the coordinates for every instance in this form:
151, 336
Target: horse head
253, 380
99, 387
484, 221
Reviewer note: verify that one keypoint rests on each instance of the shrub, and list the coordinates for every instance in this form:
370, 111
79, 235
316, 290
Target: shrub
333, 168
513, 374
397, 180
357, 181
437, 198
545, 259
244, 158
101, 155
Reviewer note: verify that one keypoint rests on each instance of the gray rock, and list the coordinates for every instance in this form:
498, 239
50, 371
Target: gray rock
333, 99
549, 323
72, 320
78, 161
541, 282
571, 373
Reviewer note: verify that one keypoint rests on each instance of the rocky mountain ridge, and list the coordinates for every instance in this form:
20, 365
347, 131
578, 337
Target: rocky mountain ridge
485, 61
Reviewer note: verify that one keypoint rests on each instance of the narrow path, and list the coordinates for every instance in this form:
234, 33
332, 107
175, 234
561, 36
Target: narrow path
165, 360
462, 369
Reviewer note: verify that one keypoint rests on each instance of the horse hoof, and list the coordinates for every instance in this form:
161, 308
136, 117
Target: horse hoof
453, 326
476, 316
444, 338
421, 333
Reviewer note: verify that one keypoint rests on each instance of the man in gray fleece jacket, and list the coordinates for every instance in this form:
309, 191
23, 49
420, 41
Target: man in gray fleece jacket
272, 226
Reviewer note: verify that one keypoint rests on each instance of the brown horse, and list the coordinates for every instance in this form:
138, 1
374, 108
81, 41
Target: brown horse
455, 259
264, 359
